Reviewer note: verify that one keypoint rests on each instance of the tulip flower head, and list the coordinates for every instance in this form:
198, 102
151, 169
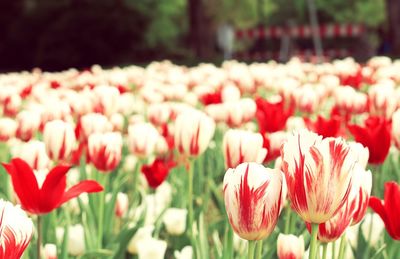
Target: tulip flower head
158, 171
193, 132
242, 146
143, 138
42, 198
16, 231
104, 150
389, 208
290, 247
254, 197
59, 138
318, 174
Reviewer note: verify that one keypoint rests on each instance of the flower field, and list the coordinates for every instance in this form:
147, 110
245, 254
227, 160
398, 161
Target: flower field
261, 160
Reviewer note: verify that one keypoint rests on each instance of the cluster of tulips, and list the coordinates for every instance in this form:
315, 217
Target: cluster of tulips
264, 160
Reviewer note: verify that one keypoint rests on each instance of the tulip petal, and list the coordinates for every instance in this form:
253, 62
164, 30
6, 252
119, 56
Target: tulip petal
24, 183
377, 206
53, 188
87, 186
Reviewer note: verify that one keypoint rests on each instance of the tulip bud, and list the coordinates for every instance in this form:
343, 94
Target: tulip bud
50, 251
106, 98
104, 150
142, 139
28, 124
141, 234
94, 123
290, 247
34, 153
122, 204
8, 128
152, 248
185, 253
253, 196
175, 221
193, 132
59, 138
242, 146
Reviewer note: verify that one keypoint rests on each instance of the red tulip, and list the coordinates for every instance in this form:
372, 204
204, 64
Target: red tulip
318, 173
211, 98
253, 196
376, 136
325, 127
271, 117
389, 208
16, 231
158, 171
42, 199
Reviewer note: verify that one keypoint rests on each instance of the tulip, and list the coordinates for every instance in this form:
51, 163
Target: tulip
34, 153
175, 221
104, 150
325, 127
76, 239
106, 98
389, 208
94, 123
121, 205
158, 171
152, 248
8, 128
376, 136
16, 231
290, 246
51, 194
185, 253
141, 234
28, 124
381, 101
59, 138
242, 146
395, 128
273, 143
239, 112
253, 198
318, 173
50, 251
142, 139
271, 117
159, 113
361, 152
193, 132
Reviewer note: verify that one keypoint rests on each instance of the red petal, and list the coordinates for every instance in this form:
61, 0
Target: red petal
53, 188
24, 183
83, 186
377, 206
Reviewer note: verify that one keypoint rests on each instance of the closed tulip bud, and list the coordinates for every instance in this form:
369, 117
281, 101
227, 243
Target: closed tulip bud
76, 240
193, 132
94, 123
290, 247
185, 253
16, 230
59, 138
175, 221
8, 128
117, 120
142, 139
141, 234
106, 98
152, 248
242, 146
104, 150
122, 204
253, 196
230, 93
50, 251
34, 153
28, 124
318, 174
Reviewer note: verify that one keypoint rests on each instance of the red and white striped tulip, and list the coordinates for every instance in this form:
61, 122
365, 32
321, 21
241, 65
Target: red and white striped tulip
193, 132
34, 153
242, 146
94, 123
28, 124
59, 138
318, 173
142, 139
104, 150
8, 128
290, 246
16, 231
254, 197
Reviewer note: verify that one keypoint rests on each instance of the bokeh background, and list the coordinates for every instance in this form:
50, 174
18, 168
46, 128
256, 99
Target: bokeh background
56, 35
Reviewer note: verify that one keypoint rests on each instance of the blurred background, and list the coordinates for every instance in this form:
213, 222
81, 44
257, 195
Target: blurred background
56, 35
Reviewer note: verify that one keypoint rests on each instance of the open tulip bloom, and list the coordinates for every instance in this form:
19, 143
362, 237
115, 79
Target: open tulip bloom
39, 198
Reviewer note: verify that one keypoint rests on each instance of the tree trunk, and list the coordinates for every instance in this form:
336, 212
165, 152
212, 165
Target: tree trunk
201, 29
393, 13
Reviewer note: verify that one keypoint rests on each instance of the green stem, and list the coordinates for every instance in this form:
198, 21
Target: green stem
259, 248
342, 247
251, 248
324, 250
314, 241
190, 197
333, 250
39, 236
101, 211
366, 253
287, 220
